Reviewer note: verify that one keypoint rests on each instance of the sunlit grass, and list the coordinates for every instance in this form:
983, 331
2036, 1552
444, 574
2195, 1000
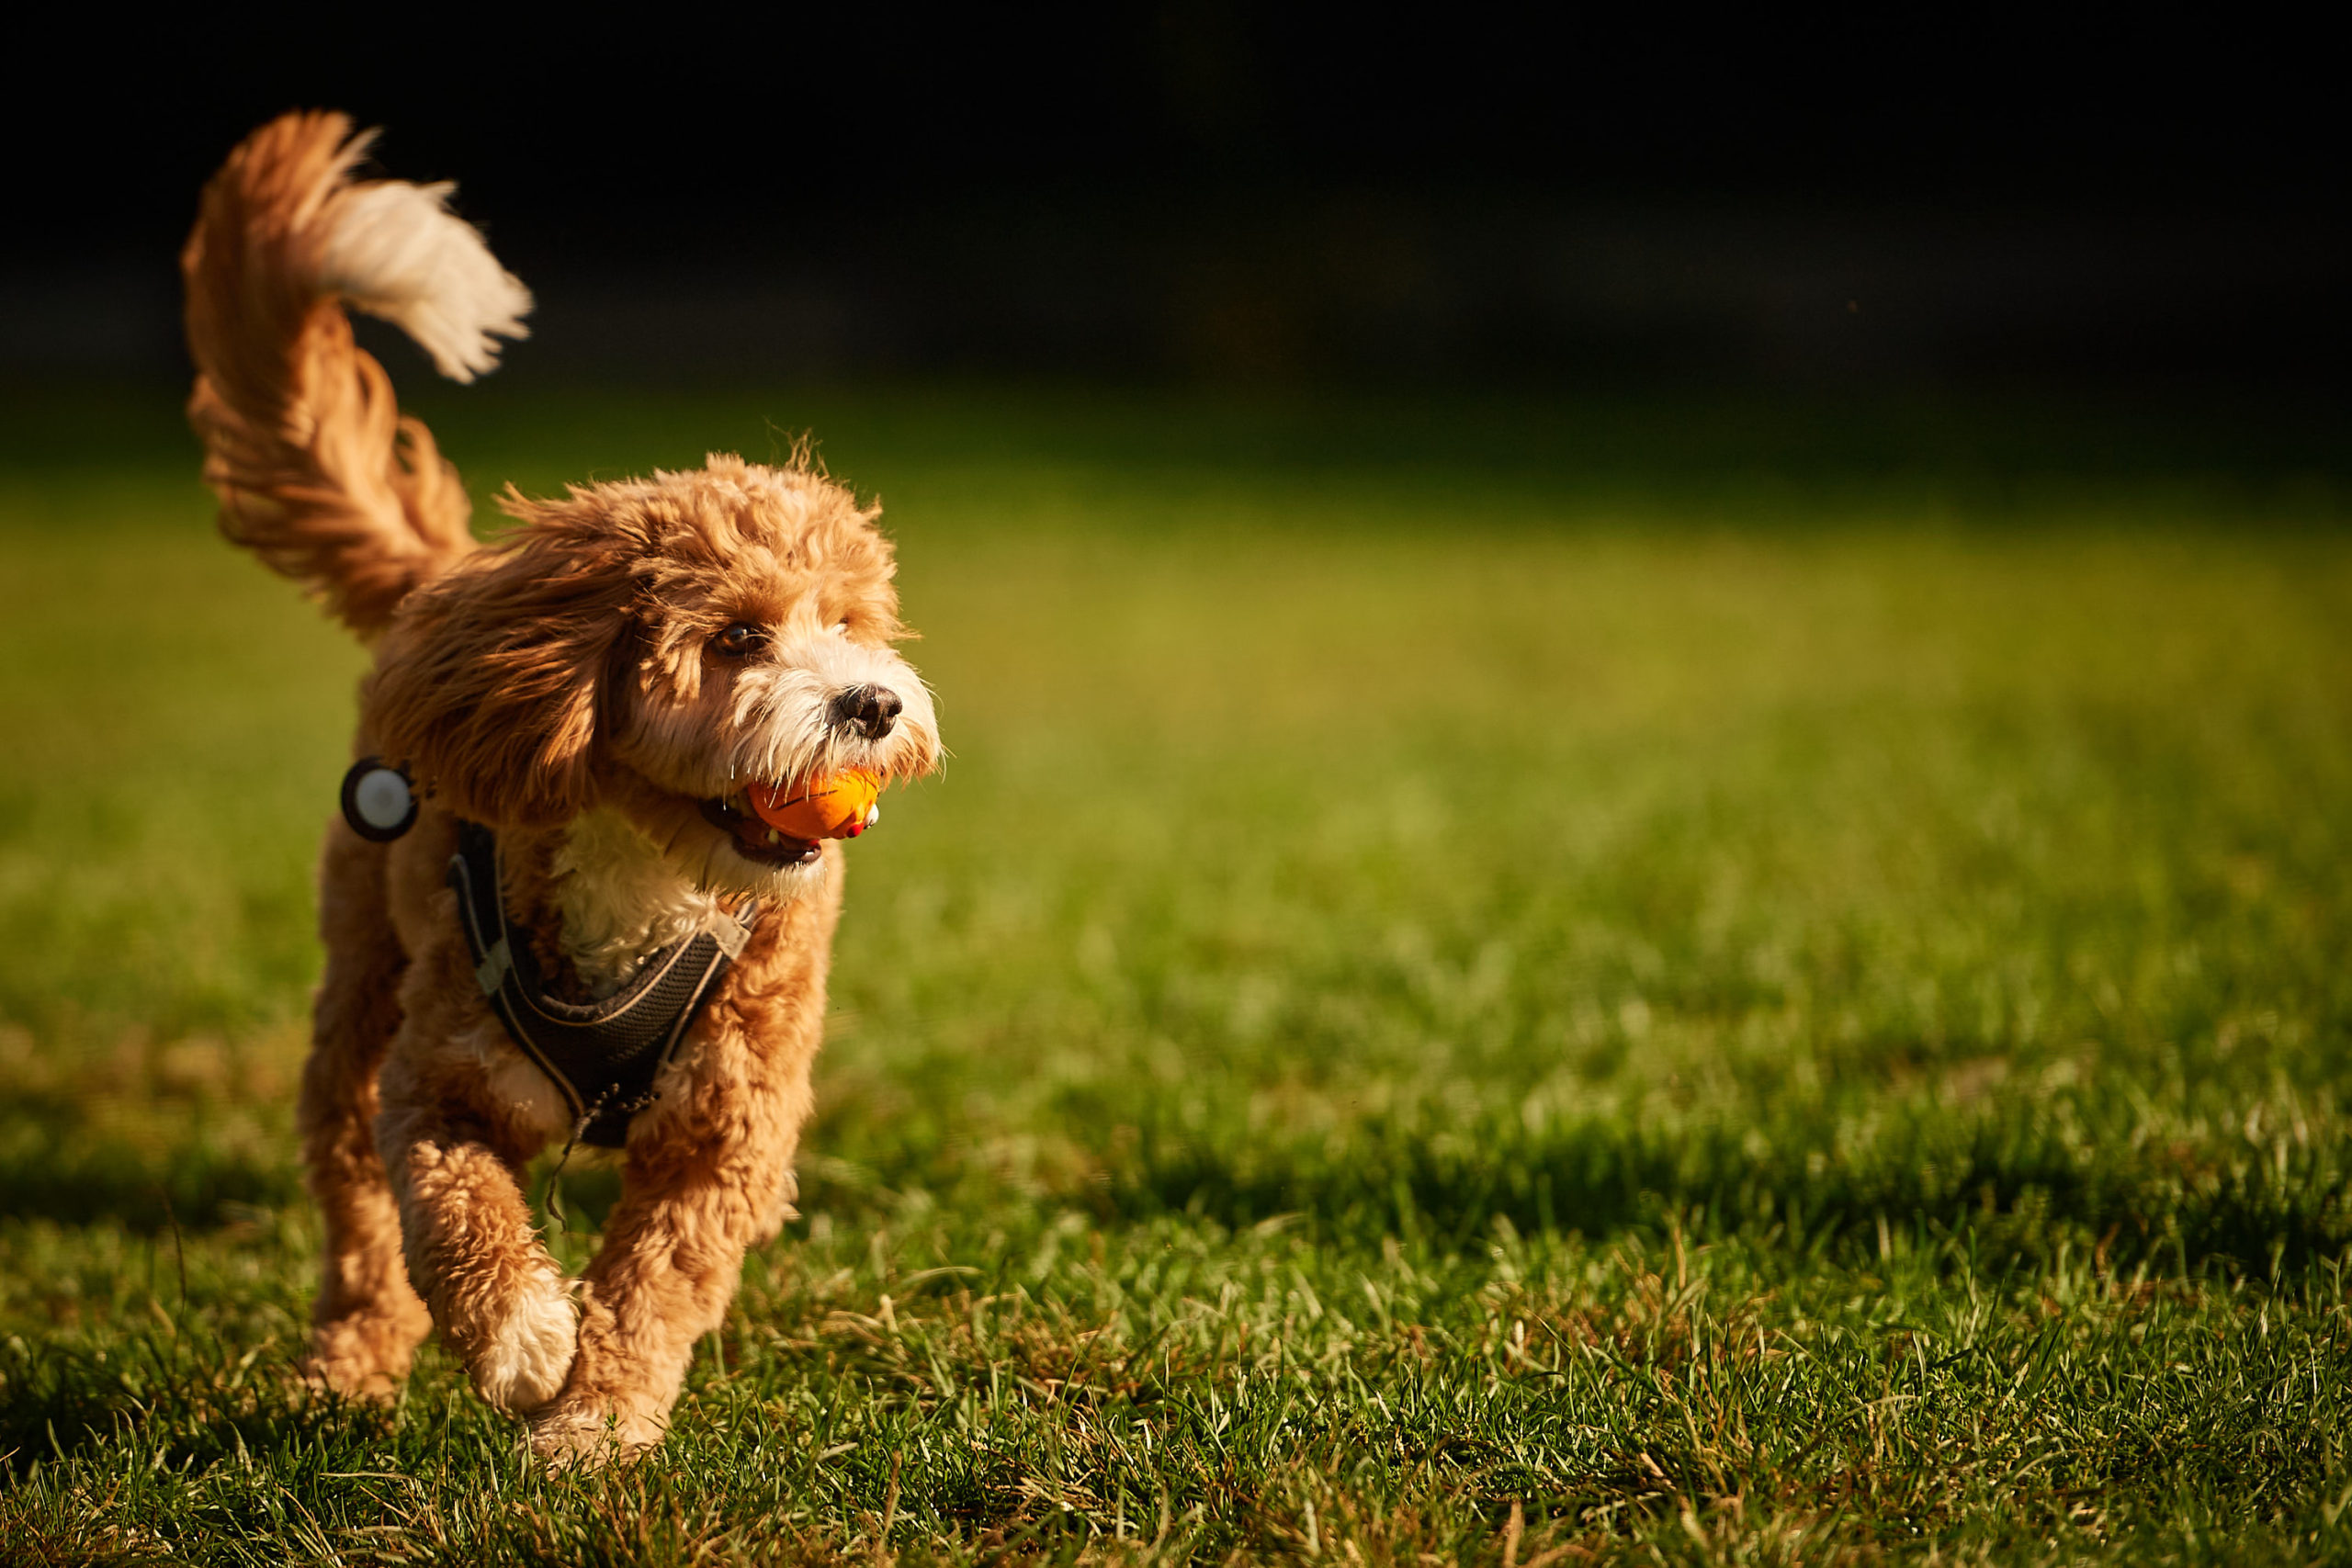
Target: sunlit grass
1747, 1017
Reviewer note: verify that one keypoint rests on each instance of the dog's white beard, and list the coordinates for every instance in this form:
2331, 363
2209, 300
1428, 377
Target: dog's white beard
785, 714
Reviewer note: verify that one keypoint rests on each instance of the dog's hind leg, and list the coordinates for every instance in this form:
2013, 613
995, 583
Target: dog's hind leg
367, 1322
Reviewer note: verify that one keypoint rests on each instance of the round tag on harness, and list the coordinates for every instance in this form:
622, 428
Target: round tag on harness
378, 801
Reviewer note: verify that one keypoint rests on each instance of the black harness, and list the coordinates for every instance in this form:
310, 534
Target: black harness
603, 1055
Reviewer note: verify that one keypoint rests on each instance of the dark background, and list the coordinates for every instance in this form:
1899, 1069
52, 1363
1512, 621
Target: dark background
1209, 191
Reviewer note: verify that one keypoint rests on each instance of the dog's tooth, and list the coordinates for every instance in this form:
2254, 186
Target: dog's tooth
775, 837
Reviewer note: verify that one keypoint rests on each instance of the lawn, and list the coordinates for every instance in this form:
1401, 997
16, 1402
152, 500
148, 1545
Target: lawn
1505, 982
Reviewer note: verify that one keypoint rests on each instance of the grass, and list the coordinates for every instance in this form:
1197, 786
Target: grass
1504, 983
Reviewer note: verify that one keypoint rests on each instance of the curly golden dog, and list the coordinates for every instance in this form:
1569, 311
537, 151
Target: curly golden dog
584, 708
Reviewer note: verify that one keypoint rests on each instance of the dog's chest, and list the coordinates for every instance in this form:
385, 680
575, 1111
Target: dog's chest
619, 900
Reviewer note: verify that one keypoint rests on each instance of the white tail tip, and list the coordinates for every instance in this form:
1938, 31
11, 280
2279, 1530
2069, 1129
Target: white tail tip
395, 250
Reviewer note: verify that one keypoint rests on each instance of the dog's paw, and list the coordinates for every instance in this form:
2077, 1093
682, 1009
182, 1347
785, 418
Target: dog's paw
351, 1379
521, 1363
570, 1436
365, 1355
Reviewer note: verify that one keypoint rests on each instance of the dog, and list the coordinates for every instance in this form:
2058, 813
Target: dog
577, 716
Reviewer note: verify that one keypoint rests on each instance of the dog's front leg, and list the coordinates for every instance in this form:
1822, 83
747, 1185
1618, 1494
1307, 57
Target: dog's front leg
473, 1253
672, 1256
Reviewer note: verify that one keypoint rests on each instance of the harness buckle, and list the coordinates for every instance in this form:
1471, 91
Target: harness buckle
496, 964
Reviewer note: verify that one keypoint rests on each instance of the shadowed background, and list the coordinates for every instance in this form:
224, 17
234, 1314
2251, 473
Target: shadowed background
1647, 850
1272, 193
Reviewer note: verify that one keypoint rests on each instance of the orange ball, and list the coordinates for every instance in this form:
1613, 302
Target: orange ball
840, 806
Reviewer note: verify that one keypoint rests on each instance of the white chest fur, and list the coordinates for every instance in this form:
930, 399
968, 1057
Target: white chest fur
622, 900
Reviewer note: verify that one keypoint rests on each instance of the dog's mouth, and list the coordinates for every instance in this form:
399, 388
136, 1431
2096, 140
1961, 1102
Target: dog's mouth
754, 839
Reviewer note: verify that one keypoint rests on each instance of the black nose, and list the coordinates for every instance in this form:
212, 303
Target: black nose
870, 709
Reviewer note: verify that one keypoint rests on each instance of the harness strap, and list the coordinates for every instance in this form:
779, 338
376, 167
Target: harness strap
603, 1055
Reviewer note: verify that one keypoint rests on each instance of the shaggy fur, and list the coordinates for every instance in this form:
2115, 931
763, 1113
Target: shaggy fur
602, 686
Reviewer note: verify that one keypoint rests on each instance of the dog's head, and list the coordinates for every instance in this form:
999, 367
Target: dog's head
660, 645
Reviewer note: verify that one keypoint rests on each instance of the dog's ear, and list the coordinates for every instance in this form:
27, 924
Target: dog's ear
488, 685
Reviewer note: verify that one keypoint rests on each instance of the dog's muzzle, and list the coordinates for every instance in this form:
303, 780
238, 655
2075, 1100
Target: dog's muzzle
870, 710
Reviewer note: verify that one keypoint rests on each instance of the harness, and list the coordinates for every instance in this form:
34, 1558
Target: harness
603, 1055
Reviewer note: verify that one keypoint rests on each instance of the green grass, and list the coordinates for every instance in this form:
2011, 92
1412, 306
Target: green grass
1491, 983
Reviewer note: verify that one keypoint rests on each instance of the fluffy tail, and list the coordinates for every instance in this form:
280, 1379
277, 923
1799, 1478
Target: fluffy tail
317, 471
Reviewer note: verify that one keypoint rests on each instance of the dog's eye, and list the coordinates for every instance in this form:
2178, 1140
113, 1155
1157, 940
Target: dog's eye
840, 628
738, 639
